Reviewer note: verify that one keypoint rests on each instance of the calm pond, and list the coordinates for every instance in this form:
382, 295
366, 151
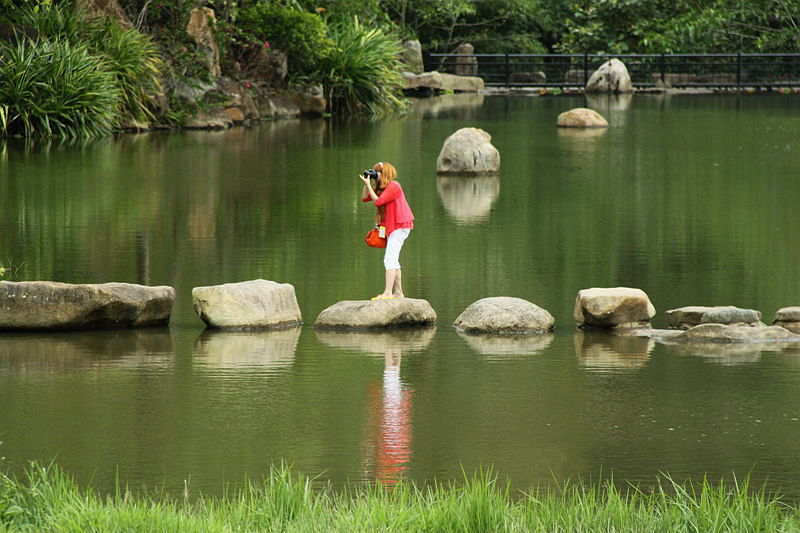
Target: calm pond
693, 199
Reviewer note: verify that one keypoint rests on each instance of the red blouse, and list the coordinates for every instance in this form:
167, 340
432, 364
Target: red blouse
398, 214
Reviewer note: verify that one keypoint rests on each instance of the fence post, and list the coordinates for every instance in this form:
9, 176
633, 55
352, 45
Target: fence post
738, 72
663, 69
508, 73
585, 69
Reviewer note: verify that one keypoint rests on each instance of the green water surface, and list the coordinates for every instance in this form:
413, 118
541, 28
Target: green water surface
693, 199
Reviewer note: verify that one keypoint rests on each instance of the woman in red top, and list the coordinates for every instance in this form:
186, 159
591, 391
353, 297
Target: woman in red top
398, 219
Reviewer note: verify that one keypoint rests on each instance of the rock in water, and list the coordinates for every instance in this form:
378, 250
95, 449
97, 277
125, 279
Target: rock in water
581, 117
503, 314
611, 77
45, 305
618, 307
789, 318
468, 151
256, 304
371, 314
731, 315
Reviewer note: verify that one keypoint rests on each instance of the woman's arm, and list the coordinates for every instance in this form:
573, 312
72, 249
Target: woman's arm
369, 194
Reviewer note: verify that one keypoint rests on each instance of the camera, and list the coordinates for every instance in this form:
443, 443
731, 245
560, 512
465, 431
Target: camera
371, 174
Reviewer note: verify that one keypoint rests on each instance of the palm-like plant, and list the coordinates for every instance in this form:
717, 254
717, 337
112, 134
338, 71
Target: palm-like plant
54, 88
135, 61
362, 72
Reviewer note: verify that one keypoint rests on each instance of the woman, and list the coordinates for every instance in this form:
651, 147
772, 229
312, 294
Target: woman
398, 219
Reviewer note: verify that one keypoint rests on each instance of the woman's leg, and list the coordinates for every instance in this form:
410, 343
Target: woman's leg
397, 288
391, 276
391, 261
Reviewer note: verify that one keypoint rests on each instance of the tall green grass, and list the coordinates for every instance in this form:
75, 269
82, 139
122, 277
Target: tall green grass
76, 78
55, 88
47, 499
362, 72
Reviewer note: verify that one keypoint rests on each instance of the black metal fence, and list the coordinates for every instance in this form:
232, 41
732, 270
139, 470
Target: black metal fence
732, 71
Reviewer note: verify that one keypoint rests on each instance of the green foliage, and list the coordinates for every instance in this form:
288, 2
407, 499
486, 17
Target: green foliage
54, 88
127, 62
683, 26
301, 35
362, 72
135, 61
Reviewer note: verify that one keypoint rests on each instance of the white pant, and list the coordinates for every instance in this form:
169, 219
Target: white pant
393, 245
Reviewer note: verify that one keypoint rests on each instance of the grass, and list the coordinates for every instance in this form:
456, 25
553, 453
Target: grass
47, 499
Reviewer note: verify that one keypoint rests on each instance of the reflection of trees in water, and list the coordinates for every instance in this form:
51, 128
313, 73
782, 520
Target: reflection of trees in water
263, 350
57, 352
468, 199
602, 351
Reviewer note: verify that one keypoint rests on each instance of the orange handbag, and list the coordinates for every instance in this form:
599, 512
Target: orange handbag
374, 238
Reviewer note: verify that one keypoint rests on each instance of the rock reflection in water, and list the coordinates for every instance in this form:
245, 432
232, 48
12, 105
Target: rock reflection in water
462, 105
395, 341
608, 103
388, 434
602, 351
468, 199
726, 354
56, 352
503, 346
264, 350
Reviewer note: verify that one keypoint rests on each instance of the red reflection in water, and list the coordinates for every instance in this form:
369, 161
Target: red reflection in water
388, 443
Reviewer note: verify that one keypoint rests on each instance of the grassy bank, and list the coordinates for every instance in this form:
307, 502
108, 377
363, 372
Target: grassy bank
49, 500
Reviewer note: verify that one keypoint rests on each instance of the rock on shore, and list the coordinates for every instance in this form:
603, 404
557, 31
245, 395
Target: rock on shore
504, 315
372, 314
256, 304
50, 305
611, 77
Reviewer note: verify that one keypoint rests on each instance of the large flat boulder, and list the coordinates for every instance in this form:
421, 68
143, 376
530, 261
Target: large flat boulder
375, 314
724, 333
438, 81
731, 315
686, 317
618, 307
611, 77
461, 84
50, 305
789, 318
256, 304
468, 151
504, 315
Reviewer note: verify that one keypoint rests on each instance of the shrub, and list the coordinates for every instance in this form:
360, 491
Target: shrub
301, 35
362, 72
54, 88
135, 61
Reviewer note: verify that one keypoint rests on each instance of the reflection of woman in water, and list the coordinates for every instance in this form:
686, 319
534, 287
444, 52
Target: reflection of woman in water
390, 411
398, 219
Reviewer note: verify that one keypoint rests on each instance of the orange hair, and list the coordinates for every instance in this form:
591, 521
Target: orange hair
388, 173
